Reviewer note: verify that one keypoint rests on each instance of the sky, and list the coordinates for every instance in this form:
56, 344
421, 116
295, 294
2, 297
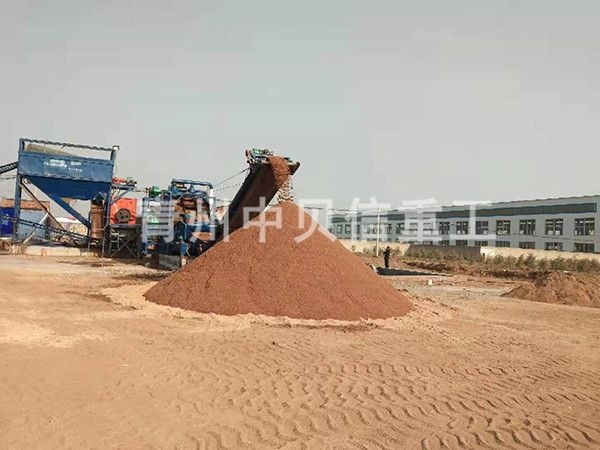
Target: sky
397, 100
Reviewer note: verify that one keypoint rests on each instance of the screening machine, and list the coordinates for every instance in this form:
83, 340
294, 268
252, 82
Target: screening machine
179, 220
65, 173
58, 170
185, 219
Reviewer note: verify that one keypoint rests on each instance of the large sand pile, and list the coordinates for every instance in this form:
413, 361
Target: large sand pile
316, 278
561, 287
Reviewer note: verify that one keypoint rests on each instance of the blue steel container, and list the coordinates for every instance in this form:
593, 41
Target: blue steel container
67, 176
33, 215
6, 226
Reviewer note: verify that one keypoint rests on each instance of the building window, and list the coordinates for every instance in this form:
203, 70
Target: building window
444, 227
388, 228
462, 227
500, 244
482, 227
348, 228
358, 230
461, 243
413, 228
554, 227
339, 229
527, 226
445, 242
553, 246
585, 227
584, 248
481, 243
400, 228
527, 245
503, 227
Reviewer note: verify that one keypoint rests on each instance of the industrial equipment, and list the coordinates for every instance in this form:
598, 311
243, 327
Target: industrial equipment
257, 190
62, 175
184, 220
179, 220
30, 211
65, 173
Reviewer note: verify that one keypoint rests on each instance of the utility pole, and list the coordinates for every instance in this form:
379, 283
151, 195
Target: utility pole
378, 231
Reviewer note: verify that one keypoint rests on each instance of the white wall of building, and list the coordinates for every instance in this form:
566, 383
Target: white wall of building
391, 230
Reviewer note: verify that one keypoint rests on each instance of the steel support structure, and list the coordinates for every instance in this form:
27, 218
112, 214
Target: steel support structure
59, 175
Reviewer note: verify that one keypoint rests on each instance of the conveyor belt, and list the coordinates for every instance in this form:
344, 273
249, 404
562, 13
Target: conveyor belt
8, 167
260, 182
81, 238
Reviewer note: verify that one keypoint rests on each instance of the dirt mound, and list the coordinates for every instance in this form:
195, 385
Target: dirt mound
561, 287
315, 278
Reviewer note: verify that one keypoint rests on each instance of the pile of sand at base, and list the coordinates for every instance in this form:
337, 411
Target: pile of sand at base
316, 278
561, 287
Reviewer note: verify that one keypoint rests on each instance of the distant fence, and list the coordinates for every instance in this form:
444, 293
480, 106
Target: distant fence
462, 250
368, 246
488, 252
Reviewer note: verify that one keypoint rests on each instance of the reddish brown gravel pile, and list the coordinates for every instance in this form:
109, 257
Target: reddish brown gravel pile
313, 279
561, 287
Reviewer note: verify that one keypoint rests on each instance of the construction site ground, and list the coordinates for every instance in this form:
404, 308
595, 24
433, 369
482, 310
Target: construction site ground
86, 362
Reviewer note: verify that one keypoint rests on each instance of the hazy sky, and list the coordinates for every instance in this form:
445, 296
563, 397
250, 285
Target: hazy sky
456, 100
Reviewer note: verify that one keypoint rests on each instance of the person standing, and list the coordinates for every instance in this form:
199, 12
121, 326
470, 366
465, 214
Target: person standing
386, 256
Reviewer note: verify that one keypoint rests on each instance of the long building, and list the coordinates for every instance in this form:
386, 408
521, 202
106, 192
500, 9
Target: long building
564, 224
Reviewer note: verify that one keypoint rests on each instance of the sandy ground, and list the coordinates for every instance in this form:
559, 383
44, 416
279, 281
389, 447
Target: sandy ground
85, 362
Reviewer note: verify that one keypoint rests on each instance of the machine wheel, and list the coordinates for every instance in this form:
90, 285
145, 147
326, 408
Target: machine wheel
123, 216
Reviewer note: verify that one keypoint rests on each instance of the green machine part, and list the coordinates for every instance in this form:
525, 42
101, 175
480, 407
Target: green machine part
154, 191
